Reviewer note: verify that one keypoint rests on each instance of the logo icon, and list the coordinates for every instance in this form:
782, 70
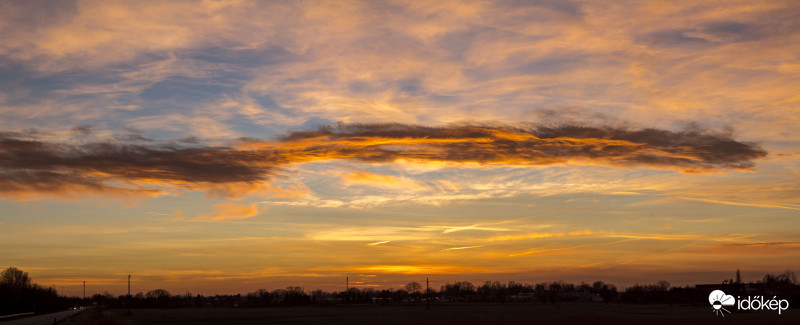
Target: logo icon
718, 299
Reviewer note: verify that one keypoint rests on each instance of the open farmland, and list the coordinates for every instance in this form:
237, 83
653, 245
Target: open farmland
563, 313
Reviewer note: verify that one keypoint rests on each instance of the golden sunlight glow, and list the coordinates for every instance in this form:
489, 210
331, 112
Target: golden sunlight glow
230, 146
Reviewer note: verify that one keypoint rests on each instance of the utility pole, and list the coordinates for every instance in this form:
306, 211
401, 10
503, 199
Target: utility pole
129, 285
427, 294
84, 289
347, 287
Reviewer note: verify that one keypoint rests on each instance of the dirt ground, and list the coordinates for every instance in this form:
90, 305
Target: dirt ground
562, 313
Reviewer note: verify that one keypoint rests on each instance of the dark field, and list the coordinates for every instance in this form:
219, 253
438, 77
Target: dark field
563, 313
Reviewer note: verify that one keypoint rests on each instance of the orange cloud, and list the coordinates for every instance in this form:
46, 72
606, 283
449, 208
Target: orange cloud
417, 269
689, 151
231, 211
377, 180
239, 189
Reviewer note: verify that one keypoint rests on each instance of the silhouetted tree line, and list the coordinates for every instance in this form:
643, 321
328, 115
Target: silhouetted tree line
783, 285
18, 294
413, 293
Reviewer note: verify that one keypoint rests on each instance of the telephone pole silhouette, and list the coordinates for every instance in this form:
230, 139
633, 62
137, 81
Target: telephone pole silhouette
129, 285
84, 289
427, 294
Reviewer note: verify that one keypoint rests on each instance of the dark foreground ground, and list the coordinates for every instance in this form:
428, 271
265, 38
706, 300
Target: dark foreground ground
562, 313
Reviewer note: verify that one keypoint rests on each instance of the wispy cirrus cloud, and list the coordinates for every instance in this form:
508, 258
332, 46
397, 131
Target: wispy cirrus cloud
247, 165
770, 248
623, 235
374, 61
452, 229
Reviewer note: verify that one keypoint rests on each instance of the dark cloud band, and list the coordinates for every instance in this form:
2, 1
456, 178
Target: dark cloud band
30, 165
691, 150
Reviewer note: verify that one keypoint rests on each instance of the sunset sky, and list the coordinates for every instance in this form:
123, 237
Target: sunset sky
228, 146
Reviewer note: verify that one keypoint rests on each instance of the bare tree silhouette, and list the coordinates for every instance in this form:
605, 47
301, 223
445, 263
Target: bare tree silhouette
15, 278
413, 287
19, 294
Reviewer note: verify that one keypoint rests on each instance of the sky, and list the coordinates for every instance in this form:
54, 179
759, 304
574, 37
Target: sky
228, 146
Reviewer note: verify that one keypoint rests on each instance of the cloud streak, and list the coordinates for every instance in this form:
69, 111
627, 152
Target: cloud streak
688, 151
34, 166
247, 165
231, 211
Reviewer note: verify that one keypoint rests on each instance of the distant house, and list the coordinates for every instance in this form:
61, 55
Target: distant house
523, 297
381, 300
583, 296
441, 300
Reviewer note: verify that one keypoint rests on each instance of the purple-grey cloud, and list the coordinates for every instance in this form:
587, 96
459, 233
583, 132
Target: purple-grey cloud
30, 165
